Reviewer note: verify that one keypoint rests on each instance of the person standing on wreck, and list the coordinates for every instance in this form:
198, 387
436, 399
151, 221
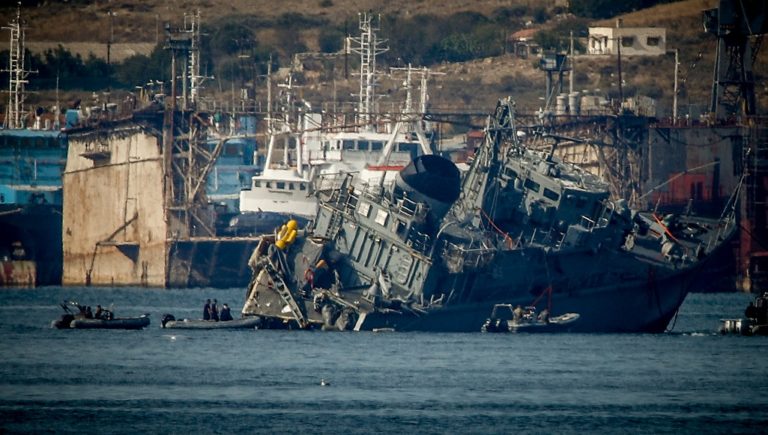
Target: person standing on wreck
207, 310
214, 311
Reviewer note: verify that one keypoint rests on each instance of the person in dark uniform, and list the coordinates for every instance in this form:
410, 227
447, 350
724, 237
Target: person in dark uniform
98, 312
225, 315
751, 311
214, 311
761, 309
207, 310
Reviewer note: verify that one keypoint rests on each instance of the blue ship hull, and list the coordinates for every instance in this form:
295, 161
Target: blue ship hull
37, 229
31, 165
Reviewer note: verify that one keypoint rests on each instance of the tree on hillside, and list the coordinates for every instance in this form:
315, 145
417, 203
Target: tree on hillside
226, 39
139, 69
330, 40
430, 39
59, 67
410, 38
600, 9
558, 38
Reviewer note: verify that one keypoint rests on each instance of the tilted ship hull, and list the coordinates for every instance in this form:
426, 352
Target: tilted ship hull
438, 250
606, 302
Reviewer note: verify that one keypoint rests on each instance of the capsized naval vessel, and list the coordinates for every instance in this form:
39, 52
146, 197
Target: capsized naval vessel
437, 250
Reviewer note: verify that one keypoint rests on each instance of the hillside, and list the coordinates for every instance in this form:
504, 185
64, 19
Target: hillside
468, 86
138, 20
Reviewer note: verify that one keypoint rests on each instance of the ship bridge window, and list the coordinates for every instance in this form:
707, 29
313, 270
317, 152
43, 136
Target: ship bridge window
400, 227
256, 183
364, 209
377, 146
302, 186
348, 144
232, 150
627, 41
280, 185
551, 194
291, 186
509, 172
532, 185
268, 185
362, 145
381, 217
406, 147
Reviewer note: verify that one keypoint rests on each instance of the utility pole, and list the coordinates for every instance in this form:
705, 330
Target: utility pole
269, 96
570, 73
674, 94
618, 60
111, 37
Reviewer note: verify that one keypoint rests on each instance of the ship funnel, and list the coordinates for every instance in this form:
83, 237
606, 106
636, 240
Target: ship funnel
431, 179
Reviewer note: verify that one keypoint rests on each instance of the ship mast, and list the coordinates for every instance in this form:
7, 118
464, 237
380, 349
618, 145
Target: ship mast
368, 48
192, 24
411, 121
499, 128
18, 75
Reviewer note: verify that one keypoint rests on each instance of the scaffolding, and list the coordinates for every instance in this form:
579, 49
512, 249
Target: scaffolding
187, 159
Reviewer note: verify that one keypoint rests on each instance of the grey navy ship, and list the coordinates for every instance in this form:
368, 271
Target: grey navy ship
437, 250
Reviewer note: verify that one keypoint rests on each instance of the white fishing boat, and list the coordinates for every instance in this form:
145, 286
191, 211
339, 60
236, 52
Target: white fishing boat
284, 186
374, 152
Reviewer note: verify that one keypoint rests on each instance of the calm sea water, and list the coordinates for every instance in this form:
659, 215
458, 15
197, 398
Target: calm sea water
690, 380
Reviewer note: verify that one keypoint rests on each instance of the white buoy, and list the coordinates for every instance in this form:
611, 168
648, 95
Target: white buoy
324, 383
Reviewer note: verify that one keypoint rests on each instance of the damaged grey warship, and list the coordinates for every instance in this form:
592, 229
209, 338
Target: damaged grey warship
437, 250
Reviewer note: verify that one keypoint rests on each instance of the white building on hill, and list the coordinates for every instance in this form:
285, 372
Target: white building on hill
635, 41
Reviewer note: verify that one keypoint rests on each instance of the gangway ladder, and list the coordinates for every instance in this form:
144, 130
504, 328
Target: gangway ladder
334, 225
285, 294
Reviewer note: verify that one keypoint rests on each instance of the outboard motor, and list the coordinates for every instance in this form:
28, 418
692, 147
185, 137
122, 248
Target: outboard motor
430, 179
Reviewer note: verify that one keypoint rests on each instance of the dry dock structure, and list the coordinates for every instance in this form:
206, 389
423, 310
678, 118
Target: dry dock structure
135, 209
